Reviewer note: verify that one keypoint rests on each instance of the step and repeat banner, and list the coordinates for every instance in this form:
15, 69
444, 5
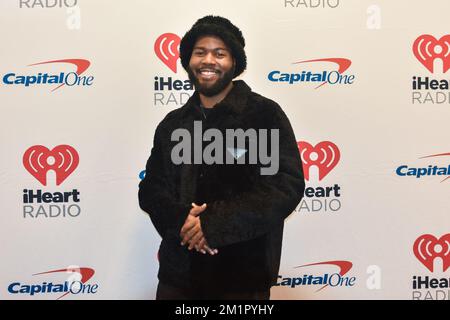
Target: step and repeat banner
365, 84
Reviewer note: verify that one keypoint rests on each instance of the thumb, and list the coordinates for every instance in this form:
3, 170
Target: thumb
196, 210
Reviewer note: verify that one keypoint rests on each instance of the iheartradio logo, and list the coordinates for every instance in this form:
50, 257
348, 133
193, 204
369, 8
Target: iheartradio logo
427, 48
167, 50
62, 159
324, 155
427, 247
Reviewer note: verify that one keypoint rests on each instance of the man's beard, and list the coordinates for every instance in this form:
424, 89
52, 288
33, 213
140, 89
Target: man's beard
209, 91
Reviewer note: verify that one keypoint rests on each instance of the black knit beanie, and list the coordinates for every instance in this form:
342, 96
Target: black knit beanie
219, 27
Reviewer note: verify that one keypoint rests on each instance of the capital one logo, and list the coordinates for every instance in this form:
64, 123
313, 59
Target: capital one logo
166, 49
62, 159
335, 279
70, 79
427, 48
427, 248
334, 77
342, 63
440, 169
324, 155
344, 268
75, 284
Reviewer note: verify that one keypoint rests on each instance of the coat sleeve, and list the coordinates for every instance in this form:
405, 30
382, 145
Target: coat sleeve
156, 193
274, 197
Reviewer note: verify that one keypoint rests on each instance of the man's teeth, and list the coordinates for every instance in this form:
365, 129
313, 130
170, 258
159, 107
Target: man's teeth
207, 72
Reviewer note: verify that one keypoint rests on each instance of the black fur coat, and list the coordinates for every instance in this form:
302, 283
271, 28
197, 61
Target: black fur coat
245, 210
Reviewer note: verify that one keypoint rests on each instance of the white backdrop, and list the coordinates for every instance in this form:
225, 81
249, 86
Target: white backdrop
362, 235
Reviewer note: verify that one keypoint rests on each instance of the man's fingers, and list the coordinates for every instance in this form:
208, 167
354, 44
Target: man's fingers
196, 210
209, 250
195, 239
190, 233
200, 245
189, 224
213, 251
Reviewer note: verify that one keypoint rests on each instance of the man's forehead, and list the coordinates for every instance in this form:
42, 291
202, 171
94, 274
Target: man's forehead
210, 41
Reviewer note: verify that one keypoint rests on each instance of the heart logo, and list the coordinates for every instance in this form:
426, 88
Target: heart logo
325, 155
166, 49
427, 247
63, 159
427, 48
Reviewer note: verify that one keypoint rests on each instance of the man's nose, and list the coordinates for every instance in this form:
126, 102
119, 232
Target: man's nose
209, 58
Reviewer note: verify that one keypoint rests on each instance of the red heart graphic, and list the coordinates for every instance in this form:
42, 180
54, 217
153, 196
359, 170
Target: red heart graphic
426, 251
35, 160
166, 49
427, 48
326, 155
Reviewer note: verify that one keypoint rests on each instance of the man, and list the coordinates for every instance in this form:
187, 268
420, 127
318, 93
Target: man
221, 223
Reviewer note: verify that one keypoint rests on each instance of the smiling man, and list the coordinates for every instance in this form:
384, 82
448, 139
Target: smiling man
211, 69
221, 222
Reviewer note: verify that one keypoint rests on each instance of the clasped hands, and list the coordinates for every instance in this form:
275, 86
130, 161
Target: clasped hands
191, 233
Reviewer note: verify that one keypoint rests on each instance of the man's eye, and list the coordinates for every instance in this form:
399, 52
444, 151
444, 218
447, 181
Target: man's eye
198, 53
